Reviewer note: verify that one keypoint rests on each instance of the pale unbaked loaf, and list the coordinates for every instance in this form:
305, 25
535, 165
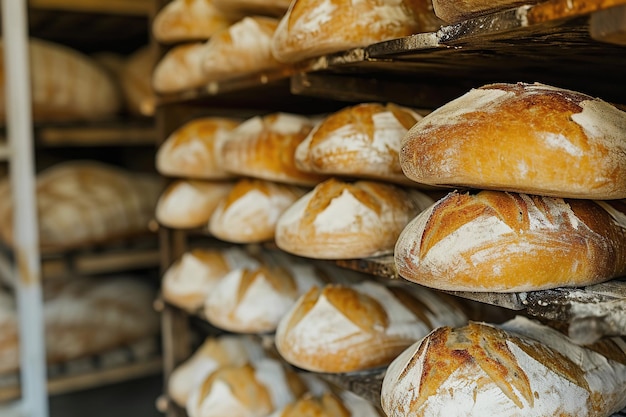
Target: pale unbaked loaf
453, 11
521, 368
85, 202
529, 138
313, 28
361, 141
242, 49
214, 353
194, 149
342, 328
180, 69
188, 20
340, 220
251, 210
186, 204
508, 242
263, 147
189, 280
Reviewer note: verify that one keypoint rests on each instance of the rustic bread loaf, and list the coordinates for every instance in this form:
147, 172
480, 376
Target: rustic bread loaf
328, 404
311, 28
186, 204
521, 368
453, 11
253, 7
361, 141
189, 280
263, 147
342, 328
251, 210
340, 220
188, 20
528, 138
85, 202
180, 69
135, 79
194, 149
506, 242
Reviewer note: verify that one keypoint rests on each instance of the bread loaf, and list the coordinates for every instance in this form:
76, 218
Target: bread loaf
85, 202
263, 147
66, 85
250, 212
253, 7
189, 280
187, 204
242, 49
340, 220
214, 353
188, 20
528, 138
312, 28
453, 11
343, 328
361, 141
521, 368
506, 242
252, 390
194, 149
328, 405
135, 80
180, 69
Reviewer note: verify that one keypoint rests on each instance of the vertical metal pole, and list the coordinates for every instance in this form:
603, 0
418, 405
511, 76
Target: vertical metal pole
26, 239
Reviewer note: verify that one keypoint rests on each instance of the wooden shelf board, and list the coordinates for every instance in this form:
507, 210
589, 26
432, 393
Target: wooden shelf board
98, 134
117, 7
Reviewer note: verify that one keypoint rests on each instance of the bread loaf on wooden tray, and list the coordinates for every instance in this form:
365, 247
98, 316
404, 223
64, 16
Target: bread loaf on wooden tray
453, 11
194, 149
311, 28
180, 69
507, 242
251, 210
521, 368
528, 138
361, 141
189, 280
341, 328
341, 220
188, 20
186, 204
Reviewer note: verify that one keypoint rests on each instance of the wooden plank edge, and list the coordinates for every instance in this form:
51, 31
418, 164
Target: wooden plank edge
115, 7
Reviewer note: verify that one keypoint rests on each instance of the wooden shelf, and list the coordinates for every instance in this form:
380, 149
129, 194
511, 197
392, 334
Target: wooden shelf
118, 133
116, 7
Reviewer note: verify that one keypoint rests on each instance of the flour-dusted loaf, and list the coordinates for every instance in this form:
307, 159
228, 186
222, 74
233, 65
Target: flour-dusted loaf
242, 49
251, 210
135, 79
361, 141
188, 20
180, 69
264, 146
329, 404
253, 7
312, 28
194, 149
521, 368
529, 138
341, 220
85, 202
66, 85
252, 390
189, 280
186, 204
507, 242
453, 11
345, 328
214, 353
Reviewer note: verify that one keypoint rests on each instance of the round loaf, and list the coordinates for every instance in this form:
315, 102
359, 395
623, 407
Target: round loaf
521, 368
188, 20
361, 141
453, 11
194, 149
180, 69
135, 80
340, 220
312, 28
528, 138
507, 242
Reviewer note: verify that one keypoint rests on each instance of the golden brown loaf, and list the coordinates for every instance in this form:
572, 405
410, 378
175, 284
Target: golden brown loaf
499, 241
85, 202
193, 150
361, 141
340, 220
328, 404
188, 20
453, 11
313, 28
65, 85
242, 49
253, 7
186, 204
180, 69
528, 138
135, 80
251, 210
342, 328
263, 147
521, 368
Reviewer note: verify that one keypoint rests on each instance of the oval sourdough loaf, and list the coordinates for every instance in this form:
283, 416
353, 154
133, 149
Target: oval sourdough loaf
180, 69
453, 11
507, 242
188, 20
